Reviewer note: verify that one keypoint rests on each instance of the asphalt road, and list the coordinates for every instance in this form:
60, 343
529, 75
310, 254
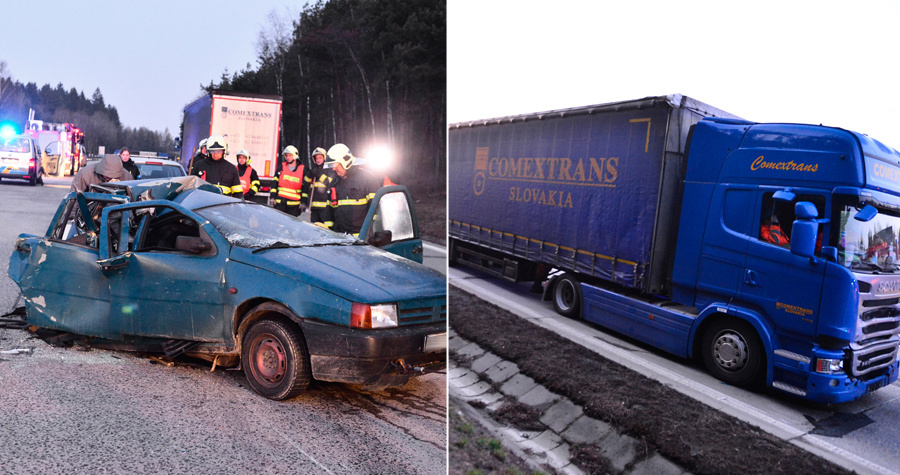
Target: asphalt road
861, 435
67, 410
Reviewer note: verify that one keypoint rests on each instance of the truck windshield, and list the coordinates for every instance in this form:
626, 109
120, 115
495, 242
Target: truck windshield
257, 226
868, 246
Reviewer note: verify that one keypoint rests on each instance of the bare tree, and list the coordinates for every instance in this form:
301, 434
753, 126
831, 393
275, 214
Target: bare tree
272, 45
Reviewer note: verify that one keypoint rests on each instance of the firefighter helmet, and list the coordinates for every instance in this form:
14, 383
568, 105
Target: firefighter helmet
202, 144
319, 151
291, 149
340, 153
243, 152
215, 143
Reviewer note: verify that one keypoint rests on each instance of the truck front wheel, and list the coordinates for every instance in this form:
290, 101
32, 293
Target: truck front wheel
567, 296
275, 359
732, 352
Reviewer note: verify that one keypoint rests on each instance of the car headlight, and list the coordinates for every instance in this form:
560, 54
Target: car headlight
373, 316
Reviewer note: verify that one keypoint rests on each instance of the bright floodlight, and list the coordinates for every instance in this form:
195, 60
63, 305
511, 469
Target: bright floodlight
380, 158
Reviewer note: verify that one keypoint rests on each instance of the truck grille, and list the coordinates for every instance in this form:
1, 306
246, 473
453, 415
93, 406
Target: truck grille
423, 311
875, 347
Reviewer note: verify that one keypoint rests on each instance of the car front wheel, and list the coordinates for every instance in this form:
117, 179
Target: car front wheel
275, 359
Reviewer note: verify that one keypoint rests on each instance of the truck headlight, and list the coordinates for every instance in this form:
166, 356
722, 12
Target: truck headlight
373, 316
829, 366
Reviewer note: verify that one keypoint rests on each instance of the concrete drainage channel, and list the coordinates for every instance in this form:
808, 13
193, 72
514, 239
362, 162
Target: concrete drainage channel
478, 378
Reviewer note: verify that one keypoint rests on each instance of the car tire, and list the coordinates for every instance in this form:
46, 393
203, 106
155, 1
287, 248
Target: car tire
275, 359
566, 296
733, 352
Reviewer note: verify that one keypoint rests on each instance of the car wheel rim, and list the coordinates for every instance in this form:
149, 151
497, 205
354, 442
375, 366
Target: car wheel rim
269, 360
730, 351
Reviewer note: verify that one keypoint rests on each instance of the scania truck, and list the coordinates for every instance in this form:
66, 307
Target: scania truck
768, 251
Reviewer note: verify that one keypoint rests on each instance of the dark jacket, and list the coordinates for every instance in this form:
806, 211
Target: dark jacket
351, 199
222, 174
132, 168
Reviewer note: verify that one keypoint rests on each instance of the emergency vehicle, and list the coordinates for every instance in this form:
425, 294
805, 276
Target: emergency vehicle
62, 152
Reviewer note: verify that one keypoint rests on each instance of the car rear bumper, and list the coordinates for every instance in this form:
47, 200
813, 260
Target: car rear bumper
386, 357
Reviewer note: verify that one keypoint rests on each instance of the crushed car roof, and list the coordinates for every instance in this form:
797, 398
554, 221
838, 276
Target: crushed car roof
170, 188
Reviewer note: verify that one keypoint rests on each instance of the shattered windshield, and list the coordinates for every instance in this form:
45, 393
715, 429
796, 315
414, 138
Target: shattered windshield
257, 226
869, 246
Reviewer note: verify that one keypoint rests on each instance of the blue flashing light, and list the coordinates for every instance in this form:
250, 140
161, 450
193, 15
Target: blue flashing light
7, 130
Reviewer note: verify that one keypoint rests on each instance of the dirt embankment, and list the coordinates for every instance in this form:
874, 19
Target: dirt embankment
685, 431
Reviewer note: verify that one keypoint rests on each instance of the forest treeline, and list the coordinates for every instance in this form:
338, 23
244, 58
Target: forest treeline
360, 72
99, 121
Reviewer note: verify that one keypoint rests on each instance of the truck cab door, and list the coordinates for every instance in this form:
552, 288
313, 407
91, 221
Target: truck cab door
786, 286
391, 223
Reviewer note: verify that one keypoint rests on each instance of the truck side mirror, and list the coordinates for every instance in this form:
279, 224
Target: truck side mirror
866, 213
805, 230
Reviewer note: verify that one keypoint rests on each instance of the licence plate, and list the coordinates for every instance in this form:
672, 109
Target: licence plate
436, 342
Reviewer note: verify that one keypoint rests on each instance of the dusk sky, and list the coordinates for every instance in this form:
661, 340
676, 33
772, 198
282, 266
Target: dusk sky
149, 59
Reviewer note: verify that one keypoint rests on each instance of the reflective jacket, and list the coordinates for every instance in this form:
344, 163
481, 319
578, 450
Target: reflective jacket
290, 183
249, 180
318, 181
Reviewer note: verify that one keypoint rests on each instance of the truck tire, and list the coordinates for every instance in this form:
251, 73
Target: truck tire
733, 352
567, 296
275, 359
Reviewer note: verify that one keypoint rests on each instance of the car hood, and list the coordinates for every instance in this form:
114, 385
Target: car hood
359, 273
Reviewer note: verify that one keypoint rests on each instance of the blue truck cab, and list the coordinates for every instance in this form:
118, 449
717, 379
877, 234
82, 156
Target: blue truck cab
768, 251
824, 309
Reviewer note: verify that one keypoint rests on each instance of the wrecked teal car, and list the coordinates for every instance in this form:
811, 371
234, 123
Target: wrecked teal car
172, 266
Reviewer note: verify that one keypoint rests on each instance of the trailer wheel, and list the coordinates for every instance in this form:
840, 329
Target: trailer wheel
567, 296
733, 352
275, 359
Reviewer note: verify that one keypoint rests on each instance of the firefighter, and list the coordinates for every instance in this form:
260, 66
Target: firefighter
249, 178
217, 171
289, 180
202, 156
317, 183
352, 192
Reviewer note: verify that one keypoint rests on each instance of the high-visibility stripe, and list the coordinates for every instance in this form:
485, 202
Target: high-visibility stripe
319, 204
288, 193
361, 201
237, 189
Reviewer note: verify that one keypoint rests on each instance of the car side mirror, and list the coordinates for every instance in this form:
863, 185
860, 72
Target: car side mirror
380, 238
190, 244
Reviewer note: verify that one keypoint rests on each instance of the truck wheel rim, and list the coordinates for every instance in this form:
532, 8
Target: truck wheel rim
730, 351
565, 295
269, 360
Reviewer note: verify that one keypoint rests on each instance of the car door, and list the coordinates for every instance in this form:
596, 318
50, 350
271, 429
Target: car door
165, 272
391, 223
58, 274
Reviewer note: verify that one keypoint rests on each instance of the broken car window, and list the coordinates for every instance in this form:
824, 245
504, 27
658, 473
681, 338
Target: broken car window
393, 215
255, 226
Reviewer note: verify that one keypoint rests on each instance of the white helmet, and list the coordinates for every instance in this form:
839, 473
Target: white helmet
202, 144
243, 152
291, 149
319, 151
340, 153
216, 142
